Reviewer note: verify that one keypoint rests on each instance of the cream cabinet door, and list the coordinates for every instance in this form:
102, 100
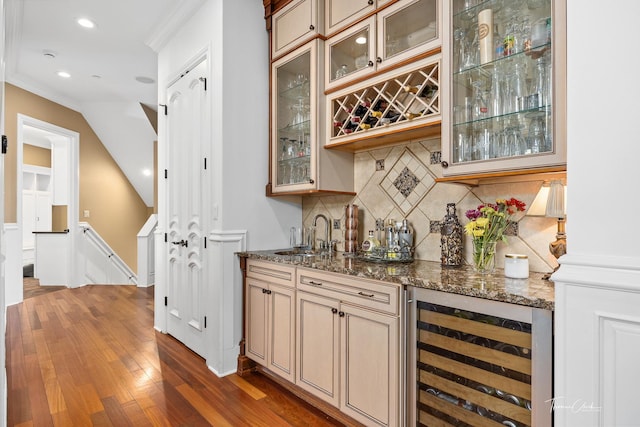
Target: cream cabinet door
369, 366
281, 333
339, 13
256, 321
317, 361
270, 335
295, 24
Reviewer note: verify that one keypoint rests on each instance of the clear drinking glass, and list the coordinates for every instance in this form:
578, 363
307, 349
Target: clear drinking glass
514, 140
536, 137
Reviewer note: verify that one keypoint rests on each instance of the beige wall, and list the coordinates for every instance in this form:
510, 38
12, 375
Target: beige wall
37, 156
116, 210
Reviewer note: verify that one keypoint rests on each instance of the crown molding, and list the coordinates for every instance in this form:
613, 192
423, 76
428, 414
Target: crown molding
172, 22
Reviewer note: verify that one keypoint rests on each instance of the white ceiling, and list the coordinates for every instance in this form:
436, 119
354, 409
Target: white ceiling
103, 62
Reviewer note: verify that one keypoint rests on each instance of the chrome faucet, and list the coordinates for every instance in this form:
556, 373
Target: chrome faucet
324, 244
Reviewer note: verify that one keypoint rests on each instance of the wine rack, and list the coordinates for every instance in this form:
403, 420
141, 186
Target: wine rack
479, 363
410, 99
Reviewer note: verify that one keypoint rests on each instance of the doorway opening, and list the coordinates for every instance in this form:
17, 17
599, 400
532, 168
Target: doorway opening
48, 188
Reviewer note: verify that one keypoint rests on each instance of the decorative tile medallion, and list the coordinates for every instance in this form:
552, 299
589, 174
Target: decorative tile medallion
407, 182
436, 157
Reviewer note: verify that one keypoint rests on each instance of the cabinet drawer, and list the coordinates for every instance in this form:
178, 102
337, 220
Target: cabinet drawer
371, 294
271, 273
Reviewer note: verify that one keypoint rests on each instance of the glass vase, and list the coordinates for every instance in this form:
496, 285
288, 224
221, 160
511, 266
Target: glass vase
484, 256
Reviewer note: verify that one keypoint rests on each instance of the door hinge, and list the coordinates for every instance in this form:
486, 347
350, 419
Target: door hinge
205, 241
205, 322
166, 301
205, 163
166, 174
204, 80
166, 238
166, 109
5, 144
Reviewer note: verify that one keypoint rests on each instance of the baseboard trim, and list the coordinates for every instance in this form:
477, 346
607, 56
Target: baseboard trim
329, 410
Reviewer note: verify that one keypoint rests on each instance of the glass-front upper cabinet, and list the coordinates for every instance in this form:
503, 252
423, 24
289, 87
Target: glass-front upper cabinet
396, 33
507, 68
295, 97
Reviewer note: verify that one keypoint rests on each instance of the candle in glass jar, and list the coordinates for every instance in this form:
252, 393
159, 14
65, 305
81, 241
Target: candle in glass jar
516, 266
485, 33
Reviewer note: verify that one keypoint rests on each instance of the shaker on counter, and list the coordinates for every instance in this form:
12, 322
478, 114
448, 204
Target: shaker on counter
351, 229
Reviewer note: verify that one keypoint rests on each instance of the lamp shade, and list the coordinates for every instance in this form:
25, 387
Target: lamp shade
556, 201
539, 205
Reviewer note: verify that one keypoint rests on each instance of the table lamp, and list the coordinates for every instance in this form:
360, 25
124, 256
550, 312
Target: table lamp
550, 202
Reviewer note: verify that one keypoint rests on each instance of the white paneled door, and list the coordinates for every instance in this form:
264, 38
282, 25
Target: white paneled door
187, 139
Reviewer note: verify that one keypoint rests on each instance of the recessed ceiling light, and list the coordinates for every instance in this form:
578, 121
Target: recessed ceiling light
146, 172
86, 23
145, 80
361, 40
64, 74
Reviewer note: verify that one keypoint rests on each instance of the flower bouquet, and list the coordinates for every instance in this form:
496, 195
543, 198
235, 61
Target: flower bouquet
486, 227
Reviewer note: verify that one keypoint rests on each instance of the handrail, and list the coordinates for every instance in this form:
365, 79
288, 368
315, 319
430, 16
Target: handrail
91, 235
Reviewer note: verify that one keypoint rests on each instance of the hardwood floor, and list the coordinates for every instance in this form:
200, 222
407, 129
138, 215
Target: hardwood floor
31, 288
90, 356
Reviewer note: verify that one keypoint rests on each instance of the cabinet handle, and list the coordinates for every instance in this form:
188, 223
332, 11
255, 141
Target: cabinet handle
370, 2
334, 310
341, 314
311, 27
311, 282
445, 164
370, 63
366, 295
379, 60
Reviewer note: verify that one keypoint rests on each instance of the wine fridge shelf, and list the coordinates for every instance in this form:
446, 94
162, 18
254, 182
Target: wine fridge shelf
407, 100
472, 369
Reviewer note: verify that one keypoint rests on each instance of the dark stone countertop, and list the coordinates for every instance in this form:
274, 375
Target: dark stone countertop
532, 292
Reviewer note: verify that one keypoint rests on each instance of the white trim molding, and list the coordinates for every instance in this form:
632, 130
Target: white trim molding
597, 339
225, 300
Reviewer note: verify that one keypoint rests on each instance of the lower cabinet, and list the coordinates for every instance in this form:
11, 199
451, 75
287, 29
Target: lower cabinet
270, 317
348, 348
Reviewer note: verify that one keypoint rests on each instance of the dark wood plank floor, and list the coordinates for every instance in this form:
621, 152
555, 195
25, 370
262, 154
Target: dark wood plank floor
90, 356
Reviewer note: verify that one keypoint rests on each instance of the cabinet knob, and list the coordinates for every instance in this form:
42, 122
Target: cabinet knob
311, 27
334, 310
445, 164
370, 63
379, 60
268, 292
311, 181
341, 314
264, 291
370, 2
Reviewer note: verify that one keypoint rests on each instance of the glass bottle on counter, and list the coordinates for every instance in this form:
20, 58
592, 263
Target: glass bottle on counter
370, 243
451, 238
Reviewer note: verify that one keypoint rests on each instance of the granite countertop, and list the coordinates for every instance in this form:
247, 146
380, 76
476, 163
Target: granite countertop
533, 292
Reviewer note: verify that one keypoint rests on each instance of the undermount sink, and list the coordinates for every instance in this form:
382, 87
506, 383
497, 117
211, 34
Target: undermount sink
296, 252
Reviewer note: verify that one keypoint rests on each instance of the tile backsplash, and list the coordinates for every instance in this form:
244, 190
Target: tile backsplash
405, 187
